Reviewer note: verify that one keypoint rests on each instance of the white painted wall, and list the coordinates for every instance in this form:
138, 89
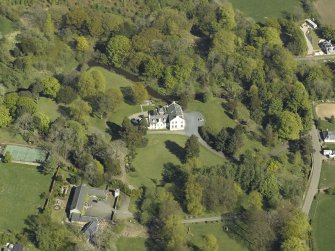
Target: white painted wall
177, 123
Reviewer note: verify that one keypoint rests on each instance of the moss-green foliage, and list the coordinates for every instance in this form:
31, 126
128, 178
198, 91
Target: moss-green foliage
20, 185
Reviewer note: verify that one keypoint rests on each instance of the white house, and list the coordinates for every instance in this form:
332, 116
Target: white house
328, 136
327, 47
167, 117
311, 23
329, 153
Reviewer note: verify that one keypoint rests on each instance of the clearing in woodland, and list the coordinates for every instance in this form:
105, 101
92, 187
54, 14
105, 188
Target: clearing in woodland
325, 9
324, 111
260, 10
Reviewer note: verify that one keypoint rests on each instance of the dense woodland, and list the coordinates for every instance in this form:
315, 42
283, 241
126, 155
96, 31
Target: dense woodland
180, 50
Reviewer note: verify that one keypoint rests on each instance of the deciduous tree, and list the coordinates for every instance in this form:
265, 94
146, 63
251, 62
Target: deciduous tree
51, 87
118, 49
290, 125
5, 117
80, 111
192, 149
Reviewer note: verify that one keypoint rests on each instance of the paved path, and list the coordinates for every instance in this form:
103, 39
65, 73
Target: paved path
304, 30
313, 181
210, 219
316, 58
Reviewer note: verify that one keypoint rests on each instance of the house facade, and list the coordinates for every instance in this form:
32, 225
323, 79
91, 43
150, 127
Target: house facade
167, 117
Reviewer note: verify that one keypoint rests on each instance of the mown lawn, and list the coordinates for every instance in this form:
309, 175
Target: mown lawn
325, 9
164, 150
20, 188
216, 118
113, 80
260, 10
327, 178
197, 231
49, 108
137, 244
9, 136
324, 125
215, 115
323, 223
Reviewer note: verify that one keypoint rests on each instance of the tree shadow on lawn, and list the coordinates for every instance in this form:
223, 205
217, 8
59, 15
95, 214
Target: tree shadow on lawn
128, 95
175, 149
114, 130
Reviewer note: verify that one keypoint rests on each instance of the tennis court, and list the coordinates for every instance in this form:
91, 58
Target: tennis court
26, 154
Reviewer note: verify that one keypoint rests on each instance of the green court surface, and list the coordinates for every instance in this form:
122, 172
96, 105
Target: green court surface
26, 154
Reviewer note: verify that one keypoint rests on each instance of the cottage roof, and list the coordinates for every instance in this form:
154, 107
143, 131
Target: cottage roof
329, 135
80, 194
18, 247
79, 198
90, 229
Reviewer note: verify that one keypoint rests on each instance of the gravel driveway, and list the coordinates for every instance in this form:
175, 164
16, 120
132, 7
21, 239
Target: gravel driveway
193, 120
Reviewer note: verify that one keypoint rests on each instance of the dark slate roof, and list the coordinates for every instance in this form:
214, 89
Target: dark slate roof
330, 135
166, 113
75, 217
174, 110
18, 247
79, 198
95, 191
90, 229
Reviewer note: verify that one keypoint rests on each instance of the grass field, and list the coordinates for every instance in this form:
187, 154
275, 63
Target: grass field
114, 80
262, 9
8, 136
324, 125
161, 150
216, 118
5, 25
215, 115
323, 223
49, 108
20, 187
327, 178
137, 244
326, 11
197, 231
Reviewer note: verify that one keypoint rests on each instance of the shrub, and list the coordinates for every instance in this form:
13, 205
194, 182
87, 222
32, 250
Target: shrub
7, 158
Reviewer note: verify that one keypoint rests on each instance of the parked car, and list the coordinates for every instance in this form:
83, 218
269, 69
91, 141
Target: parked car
134, 121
